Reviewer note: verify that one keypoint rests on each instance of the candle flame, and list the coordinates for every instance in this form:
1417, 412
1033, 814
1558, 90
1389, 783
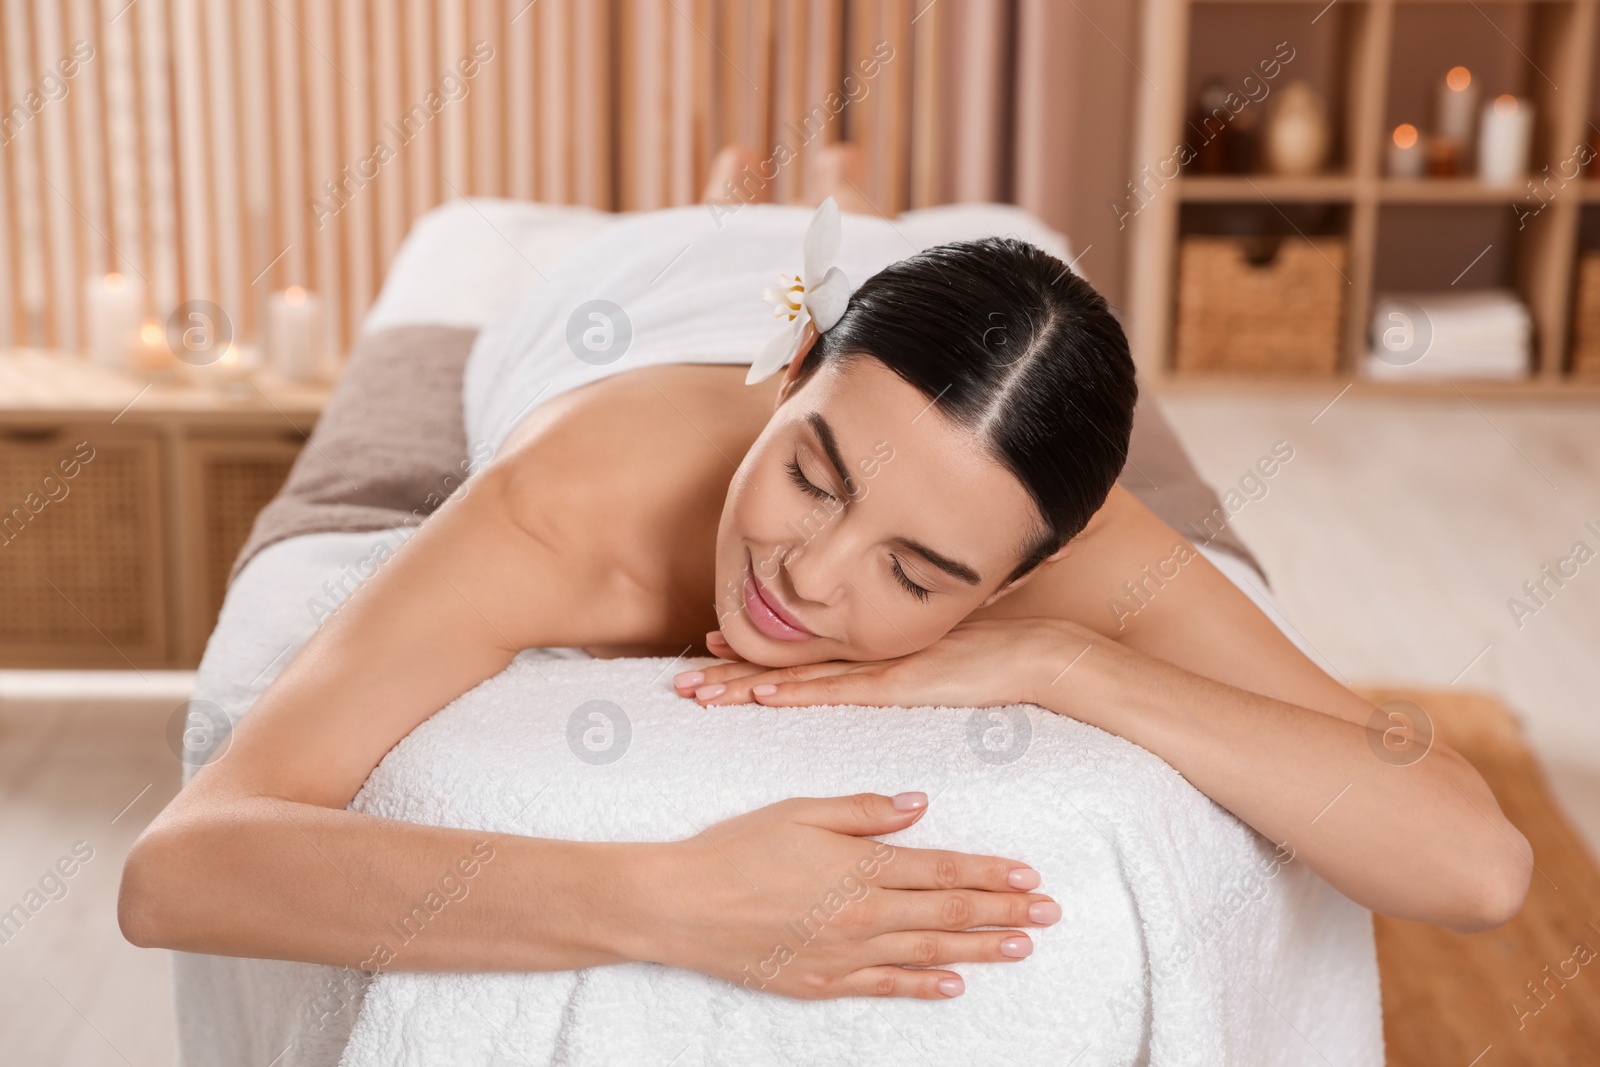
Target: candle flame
229, 355
1505, 104
1458, 79
294, 295
1405, 135
150, 332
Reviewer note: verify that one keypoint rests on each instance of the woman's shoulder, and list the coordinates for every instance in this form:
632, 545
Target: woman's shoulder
626, 417
627, 475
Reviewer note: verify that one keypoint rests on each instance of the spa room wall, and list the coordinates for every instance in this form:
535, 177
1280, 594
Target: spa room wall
223, 150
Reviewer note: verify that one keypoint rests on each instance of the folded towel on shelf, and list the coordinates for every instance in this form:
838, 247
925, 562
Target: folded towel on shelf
1485, 333
1187, 938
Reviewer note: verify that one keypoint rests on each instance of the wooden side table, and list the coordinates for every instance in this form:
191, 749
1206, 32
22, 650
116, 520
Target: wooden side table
124, 502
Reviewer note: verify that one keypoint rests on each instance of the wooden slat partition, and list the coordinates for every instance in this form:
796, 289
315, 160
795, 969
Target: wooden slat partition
8, 241
486, 22
325, 83
22, 153
223, 149
416, 144
88, 137
354, 141
122, 147
224, 155
387, 65
521, 104
554, 132
980, 100
255, 129
189, 101
60, 231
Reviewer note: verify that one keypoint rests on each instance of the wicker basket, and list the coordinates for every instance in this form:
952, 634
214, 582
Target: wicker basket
1586, 318
1268, 307
82, 570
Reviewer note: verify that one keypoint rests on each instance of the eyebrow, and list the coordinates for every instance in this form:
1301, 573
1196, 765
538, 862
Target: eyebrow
830, 445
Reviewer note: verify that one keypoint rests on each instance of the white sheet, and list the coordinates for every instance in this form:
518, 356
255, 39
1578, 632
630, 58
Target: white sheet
470, 261
1182, 942
681, 286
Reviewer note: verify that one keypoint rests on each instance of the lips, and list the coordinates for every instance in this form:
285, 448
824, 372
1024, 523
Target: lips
766, 614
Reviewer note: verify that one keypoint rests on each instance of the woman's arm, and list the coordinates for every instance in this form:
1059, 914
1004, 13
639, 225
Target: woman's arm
1201, 677
258, 855
1204, 680
1256, 726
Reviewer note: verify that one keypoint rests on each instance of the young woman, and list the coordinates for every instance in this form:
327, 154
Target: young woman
920, 509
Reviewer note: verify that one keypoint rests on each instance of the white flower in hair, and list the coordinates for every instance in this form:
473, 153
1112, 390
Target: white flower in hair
817, 297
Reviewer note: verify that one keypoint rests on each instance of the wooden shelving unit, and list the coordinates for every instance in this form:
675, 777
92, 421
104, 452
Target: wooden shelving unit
1368, 58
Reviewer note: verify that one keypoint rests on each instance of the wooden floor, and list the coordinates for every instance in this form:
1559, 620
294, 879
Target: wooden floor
1400, 529
1527, 994
1393, 537
73, 993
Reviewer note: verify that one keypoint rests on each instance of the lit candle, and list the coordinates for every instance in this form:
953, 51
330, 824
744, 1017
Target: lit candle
229, 371
150, 352
1504, 139
296, 335
112, 305
1406, 157
1458, 105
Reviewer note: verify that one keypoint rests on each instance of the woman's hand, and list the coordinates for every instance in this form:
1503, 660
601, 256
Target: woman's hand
979, 663
792, 899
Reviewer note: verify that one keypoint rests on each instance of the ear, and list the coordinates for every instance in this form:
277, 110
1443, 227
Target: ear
1055, 557
808, 337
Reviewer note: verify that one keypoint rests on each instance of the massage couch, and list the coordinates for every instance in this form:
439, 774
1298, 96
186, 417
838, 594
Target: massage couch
1187, 938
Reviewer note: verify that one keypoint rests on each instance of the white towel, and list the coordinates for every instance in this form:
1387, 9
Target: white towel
681, 285
1485, 333
1186, 938
471, 260
1183, 940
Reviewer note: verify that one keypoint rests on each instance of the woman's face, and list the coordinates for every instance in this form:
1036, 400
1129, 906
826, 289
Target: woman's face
862, 524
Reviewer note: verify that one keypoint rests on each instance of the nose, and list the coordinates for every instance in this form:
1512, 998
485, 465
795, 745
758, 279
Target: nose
819, 567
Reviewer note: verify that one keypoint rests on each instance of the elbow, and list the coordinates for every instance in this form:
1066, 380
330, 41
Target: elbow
1498, 884
142, 911
136, 913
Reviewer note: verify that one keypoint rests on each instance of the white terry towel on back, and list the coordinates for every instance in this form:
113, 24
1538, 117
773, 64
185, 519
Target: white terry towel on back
1187, 938
1184, 936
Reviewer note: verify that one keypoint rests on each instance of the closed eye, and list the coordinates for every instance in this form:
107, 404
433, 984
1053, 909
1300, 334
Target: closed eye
797, 476
911, 587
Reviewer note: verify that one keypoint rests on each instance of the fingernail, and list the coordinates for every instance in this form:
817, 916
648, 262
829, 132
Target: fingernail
689, 679
1016, 947
909, 801
952, 987
765, 689
1044, 912
1023, 878
709, 692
